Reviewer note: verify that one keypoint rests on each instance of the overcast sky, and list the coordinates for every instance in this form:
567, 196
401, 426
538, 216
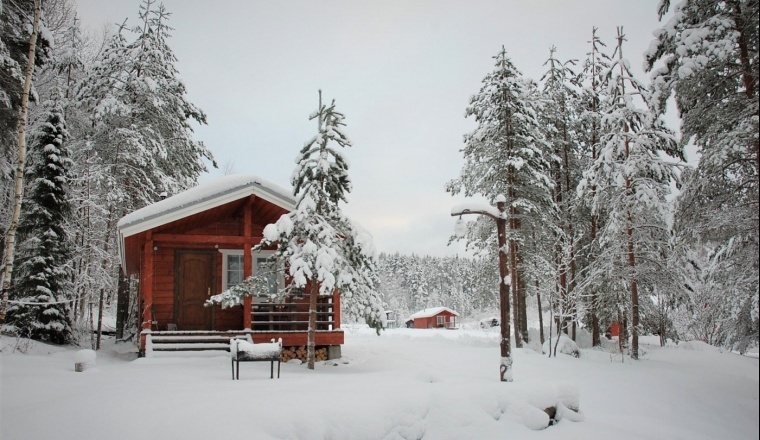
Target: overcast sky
402, 71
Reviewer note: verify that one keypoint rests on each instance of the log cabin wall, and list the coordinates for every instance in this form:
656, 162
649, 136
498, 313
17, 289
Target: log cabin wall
432, 321
163, 286
165, 292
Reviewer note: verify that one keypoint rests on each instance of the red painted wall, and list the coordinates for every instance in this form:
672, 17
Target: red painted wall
432, 322
614, 329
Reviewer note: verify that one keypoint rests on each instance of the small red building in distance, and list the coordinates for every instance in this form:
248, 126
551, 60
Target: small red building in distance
435, 317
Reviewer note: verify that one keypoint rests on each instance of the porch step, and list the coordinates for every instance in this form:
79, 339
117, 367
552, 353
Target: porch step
190, 341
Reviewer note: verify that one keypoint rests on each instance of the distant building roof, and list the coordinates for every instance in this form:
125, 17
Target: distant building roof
427, 313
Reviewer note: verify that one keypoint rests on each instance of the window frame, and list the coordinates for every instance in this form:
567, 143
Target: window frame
226, 253
266, 254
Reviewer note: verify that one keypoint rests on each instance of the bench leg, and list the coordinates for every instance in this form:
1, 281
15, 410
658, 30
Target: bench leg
278, 368
237, 371
271, 369
232, 363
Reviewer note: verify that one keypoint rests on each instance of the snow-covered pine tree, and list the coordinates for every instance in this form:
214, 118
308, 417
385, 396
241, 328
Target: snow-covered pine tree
141, 116
594, 84
507, 154
66, 60
466, 285
160, 100
706, 55
140, 143
560, 119
112, 171
324, 250
631, 178
719, 256
18, 54
42, 290
69, 56
417, 283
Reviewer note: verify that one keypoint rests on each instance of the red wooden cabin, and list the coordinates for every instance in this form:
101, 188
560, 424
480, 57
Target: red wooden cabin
614, 329
436, 317
197, 244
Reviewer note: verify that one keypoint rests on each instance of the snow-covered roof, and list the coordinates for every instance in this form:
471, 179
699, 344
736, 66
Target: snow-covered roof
427, 313
203, 197
200, 198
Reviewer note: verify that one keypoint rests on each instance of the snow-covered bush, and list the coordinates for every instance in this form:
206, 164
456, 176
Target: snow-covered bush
565, 345
84, 359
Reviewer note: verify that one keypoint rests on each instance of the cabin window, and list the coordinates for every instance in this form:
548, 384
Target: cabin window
232, 267
233, 270
263, 264
440, 320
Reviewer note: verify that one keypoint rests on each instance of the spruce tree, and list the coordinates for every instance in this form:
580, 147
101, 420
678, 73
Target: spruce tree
139, 143
325, 251
20, 22
42, 291
507, 154
594, 84
631, 177
560, 119
706, 56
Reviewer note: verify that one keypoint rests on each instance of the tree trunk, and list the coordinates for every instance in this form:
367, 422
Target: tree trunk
106, 248
538, 302
505, 367
515, 292
622, 332
310, 344
634, 296
100, 318
749, 81
540, 315
512, 226
629, 231
513, 271
10, 237
122, 304
523, 308
596, 340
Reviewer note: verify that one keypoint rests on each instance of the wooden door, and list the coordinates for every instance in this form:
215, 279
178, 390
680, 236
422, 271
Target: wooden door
195, 281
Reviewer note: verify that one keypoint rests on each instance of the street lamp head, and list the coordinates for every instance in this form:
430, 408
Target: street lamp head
460, 228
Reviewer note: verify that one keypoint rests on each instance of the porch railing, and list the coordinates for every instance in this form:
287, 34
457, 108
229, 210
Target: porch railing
292, 316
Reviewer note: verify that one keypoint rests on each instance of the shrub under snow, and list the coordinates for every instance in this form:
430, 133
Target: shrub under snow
565, 345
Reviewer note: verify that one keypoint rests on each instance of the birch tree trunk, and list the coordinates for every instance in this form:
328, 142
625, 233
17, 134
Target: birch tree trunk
10, 238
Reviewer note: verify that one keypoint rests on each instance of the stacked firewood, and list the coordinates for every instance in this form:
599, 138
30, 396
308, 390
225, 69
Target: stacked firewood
289, 353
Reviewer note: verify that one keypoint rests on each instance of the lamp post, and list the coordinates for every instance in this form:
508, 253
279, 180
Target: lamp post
499, 216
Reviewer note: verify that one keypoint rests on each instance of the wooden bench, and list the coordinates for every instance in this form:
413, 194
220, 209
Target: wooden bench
244, 351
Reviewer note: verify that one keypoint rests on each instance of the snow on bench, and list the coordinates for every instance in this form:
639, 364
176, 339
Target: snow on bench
244, 351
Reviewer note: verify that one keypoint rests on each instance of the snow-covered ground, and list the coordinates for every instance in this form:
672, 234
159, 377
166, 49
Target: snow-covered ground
405, 384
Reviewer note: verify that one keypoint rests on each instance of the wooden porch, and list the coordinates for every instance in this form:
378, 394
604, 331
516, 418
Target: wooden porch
219, 341
288, 321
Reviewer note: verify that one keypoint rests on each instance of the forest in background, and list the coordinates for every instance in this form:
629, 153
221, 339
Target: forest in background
595, 233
